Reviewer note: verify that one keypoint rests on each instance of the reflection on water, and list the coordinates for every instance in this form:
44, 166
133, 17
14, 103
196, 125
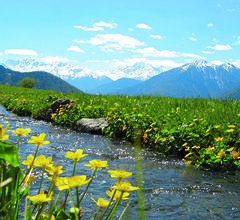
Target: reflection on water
172, 190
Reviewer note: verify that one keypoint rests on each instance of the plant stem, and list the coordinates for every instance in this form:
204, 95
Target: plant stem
30, 168
95, 170
40, 186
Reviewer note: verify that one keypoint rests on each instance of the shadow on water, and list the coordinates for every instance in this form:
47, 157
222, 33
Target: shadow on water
172, 190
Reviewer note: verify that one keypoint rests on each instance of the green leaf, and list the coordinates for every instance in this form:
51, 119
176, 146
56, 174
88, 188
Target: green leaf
9, 153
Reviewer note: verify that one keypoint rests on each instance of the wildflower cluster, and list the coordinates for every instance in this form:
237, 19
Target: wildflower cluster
38, 203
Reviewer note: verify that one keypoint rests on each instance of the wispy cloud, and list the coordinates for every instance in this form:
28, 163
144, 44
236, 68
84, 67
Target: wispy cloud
152, 52
192, 38
143, 26
54, 59
1, 53
84, 28
220, 47
110, 42
238, 41
98, 61
156, 36
21, 52
98, 26
207, 52
104, 24
75, 49
210, 25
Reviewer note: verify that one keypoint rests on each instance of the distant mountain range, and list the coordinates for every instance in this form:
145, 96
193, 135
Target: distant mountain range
197, 79
46, 80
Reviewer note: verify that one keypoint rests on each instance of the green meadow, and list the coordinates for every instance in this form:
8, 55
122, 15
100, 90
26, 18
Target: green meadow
202, 132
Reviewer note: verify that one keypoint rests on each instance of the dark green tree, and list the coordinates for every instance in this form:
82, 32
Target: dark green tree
28, 82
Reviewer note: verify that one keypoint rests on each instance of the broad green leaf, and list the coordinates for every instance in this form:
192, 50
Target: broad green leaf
9, 153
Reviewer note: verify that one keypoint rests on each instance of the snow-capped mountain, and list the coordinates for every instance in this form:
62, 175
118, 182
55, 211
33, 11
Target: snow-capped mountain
197, 79
58, 67
139, 71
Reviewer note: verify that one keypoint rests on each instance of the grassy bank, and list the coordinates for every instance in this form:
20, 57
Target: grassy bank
203, 132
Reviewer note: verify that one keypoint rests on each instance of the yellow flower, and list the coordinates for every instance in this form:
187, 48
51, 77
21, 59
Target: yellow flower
76, 156
221, 154
208, 130
39, 140
188, 154
187, 149
191, 124
217, 126
53, 115
153, 124
156, 140
29, 179
119, 173
125, 186
164, 139
29, 160
47, 216
195, 147
188, 162
41, 197
117, 195
60, 182
185, 144
230, 149
231, 126
219, 139
209, 149
2, 131
96, 164
101, 202
124, 127
21, 131
235, 154
195, 119
77, 181
230, 130
54, 170
42, 161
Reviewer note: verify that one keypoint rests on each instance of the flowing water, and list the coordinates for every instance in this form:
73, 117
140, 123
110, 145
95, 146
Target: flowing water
172, 190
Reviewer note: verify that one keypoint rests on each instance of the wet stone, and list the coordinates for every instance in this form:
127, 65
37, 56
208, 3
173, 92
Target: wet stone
91, 125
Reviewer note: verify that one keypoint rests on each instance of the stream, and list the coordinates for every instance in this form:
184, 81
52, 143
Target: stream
172, 190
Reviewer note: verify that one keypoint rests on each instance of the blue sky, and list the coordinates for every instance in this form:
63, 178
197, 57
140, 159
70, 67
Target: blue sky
101, 35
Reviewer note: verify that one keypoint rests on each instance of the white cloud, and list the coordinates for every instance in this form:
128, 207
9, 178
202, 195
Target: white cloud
98, 61
143, 26
236, 63
21, 52
109, 42
104, 24
56, 59
217, 62
238, 41
195, 56
207, 52
157, 36
210, 25
152, 52
220, 47
1, 53
84, 28
192, 39
98, 26
130, 29
75, 49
